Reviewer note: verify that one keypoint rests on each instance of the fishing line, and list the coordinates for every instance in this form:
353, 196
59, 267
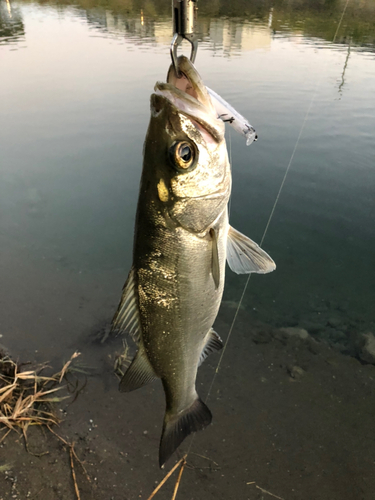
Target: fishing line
230, 163
268, 222
272, 212
339, 25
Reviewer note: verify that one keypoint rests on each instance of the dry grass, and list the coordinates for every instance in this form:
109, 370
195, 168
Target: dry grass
122, 360
181, 463
27, 397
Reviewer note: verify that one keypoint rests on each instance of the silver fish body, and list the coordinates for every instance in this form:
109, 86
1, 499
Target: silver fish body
173, 292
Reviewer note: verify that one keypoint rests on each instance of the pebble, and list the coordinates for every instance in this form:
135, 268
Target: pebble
334, 322
261, 337
312, 327
338, 335
295, 371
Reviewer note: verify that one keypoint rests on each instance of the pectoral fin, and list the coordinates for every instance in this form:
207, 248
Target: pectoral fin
244, 256
215, 259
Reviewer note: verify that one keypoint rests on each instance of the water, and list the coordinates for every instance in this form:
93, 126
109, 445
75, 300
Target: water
75, 85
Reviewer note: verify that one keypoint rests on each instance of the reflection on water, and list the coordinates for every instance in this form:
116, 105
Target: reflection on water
342, 83
11, 23
225, 26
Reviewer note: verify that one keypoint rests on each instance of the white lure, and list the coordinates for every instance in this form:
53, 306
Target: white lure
229, 115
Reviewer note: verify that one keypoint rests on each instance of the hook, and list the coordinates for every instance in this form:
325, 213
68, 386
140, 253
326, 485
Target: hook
176, 40
184, 13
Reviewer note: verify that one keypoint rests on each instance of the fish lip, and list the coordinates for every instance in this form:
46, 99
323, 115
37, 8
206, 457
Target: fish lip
164, 89
190, 107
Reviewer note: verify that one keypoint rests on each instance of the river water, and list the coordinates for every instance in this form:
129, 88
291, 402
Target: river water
75, 92
75, 85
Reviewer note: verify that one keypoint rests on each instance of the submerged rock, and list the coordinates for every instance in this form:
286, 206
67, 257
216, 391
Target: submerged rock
312, 326
367, 352
334, 322
338, 336
292, 331
231, 304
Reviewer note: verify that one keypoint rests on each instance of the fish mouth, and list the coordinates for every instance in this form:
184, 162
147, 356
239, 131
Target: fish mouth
189, 96
190, 82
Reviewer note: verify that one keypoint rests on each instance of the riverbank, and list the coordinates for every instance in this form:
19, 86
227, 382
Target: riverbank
292, 417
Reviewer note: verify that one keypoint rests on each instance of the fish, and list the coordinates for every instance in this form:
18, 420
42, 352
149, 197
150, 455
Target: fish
181, 244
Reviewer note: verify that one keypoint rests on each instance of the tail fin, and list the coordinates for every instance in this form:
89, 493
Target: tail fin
177, 427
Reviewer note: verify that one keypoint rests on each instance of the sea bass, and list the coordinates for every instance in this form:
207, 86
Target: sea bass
182, 240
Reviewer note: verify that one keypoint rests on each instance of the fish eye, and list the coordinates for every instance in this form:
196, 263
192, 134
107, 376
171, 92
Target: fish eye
183, 155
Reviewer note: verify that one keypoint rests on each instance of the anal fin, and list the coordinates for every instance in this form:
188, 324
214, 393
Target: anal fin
244, 256
139, 373
177, 427
214, 343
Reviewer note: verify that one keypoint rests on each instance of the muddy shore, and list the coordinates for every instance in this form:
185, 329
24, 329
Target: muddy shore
293, 417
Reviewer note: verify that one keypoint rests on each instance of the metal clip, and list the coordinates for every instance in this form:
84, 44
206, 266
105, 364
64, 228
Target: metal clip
183, 26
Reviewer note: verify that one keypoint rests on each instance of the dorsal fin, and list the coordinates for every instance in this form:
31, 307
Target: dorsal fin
244, 256
127, 317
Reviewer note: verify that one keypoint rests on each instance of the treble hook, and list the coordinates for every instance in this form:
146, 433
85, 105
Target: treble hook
183, 24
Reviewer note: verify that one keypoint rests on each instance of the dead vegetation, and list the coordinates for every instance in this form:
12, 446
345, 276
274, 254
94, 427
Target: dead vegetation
27, 397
